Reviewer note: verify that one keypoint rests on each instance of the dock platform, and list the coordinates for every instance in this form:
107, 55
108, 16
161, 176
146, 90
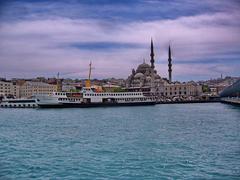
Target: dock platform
233, 101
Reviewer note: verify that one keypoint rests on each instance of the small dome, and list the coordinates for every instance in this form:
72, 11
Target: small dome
157, 76
138, 75
148, 78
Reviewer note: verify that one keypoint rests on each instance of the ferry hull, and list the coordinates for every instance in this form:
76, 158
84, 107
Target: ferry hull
88, 105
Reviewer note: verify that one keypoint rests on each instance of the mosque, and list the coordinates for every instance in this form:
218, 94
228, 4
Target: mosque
146, 78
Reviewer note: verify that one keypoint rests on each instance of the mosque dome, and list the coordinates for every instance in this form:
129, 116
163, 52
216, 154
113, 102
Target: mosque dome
142, 68
139, 75
157, 76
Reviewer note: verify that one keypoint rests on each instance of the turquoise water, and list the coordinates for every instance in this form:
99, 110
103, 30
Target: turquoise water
176, 141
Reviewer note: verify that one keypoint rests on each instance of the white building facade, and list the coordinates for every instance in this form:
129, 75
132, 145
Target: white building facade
30, 88
8, 88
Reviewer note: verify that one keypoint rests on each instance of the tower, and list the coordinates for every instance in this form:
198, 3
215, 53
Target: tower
169, 65
152, 55
59, 83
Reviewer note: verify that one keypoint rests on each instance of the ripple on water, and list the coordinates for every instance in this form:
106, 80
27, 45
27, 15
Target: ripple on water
163, 141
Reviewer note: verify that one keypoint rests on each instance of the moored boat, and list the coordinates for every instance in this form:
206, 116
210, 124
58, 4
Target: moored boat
88, 98
18, 103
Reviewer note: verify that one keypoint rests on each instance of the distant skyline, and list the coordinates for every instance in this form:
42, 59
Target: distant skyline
42, 38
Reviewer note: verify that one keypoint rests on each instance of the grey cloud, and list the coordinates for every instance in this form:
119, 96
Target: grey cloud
39, 45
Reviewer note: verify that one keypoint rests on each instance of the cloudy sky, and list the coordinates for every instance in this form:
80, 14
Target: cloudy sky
43, 37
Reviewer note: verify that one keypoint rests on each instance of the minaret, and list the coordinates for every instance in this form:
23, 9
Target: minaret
152, 55
169, 65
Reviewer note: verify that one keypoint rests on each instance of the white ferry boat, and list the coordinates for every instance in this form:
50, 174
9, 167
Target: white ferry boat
88, 98
18, 103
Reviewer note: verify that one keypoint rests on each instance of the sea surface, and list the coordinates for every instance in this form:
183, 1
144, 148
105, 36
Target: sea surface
175, 141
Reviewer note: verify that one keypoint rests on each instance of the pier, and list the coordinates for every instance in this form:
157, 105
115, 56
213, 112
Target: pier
233, 101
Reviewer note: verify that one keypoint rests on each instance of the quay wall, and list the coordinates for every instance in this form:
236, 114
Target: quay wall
189, 101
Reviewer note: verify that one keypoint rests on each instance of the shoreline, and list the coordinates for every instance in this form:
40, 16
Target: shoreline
190, 102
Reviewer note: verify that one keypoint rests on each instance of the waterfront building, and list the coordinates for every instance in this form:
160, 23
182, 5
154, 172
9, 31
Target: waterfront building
5, 88
68, 87
15, 89
111, 88
182, 89
30, 88
8, 88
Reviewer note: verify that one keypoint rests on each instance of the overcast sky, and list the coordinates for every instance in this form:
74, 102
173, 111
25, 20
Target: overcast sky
41, 38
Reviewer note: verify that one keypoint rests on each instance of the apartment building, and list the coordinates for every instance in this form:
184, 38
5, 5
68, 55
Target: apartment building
30, 88
8, 88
